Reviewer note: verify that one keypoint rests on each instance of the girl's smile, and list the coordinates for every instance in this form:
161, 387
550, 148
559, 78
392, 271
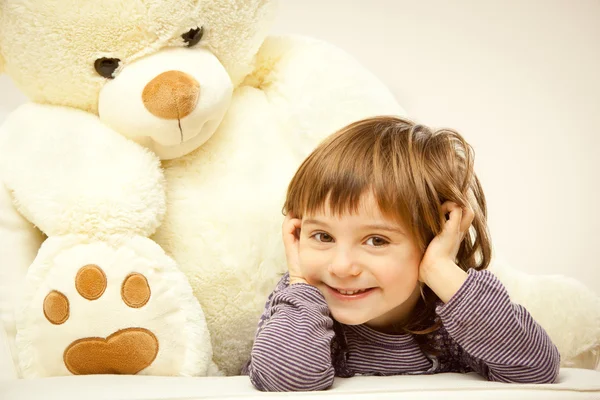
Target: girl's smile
350, 294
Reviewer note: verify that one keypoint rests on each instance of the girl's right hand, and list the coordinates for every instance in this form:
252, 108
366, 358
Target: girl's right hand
291, 238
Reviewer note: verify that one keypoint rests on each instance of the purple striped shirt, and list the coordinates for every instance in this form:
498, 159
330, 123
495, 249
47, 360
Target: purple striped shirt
298, 346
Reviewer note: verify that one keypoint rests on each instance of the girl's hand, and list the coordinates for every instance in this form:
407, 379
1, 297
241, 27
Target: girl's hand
438, 268
291, 237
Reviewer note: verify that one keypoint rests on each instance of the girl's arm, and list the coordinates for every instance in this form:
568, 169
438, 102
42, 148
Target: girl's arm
292, 348
501, 340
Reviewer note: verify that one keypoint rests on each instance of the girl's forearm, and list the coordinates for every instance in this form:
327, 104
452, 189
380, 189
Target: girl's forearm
292, 351
444, 278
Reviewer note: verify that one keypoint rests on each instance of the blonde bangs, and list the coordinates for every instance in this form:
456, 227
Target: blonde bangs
338, 174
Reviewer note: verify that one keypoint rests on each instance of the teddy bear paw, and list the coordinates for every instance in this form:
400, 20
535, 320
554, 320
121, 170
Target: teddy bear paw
110, 307
126, 351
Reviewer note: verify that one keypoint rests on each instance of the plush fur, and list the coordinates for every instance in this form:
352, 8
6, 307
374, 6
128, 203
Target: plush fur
110, 185
71, 34
564, 307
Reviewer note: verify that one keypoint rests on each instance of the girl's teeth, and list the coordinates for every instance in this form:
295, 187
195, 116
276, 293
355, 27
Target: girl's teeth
351, 292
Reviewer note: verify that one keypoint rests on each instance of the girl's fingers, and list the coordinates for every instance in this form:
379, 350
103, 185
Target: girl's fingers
295, 227
464, 217
454, 221
291, 228
467, 219
455, 215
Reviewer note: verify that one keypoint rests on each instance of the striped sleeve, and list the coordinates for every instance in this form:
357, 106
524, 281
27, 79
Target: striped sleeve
292, 348
500, 339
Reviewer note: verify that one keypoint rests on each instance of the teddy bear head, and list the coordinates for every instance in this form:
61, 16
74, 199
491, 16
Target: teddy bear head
160, 72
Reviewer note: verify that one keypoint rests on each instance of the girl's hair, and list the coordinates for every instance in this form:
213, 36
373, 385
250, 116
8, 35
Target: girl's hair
411, 170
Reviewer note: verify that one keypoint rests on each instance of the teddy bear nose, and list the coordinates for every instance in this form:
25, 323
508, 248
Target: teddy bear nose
171, 95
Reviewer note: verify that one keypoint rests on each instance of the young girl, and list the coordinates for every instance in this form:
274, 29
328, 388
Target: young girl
387, 244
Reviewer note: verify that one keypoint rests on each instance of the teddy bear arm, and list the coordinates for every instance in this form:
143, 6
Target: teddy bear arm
69, 173
19, 244
318, 87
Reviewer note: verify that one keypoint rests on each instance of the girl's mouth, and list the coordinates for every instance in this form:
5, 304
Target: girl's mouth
350, 294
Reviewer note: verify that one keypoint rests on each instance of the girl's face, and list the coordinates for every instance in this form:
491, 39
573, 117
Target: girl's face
365, 265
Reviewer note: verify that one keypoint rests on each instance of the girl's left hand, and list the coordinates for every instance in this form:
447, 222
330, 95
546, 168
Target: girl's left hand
442, 250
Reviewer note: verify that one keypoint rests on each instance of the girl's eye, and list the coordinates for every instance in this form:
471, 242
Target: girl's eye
323, 237
376, 241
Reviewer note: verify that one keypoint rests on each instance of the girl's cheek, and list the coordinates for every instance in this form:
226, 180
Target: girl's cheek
410, 278
311, 261
403, 271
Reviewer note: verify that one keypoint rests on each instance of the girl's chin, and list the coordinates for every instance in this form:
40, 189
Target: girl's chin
348, 319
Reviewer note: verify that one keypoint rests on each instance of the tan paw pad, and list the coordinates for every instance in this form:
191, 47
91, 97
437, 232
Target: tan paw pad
90, 282
135, 290
56, 307
127, 351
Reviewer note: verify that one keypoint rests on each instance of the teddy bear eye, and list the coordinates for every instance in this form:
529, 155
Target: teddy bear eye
193, 36
106, 66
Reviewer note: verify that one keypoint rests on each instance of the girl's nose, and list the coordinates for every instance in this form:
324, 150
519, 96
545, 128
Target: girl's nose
343, 265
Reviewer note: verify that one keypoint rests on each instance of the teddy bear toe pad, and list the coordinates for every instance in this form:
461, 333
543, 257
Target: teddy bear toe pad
56, 307
135, 290
90, 282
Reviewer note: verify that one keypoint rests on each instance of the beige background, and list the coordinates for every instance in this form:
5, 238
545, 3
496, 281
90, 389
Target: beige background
519, 79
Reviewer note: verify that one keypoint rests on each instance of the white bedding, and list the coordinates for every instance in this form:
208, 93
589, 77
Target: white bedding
573, 384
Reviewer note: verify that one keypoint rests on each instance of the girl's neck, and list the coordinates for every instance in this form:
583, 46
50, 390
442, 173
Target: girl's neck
395, 319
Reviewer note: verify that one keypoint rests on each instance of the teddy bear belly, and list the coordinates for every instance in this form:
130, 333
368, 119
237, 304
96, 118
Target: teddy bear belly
223, 224
232, 261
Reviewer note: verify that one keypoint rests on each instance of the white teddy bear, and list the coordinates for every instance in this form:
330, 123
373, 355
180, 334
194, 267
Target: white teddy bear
155, 157
116, 86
